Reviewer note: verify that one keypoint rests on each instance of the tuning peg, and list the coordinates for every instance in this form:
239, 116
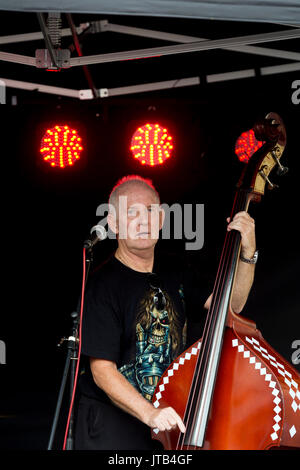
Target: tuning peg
265, 177
272, 185
281, 170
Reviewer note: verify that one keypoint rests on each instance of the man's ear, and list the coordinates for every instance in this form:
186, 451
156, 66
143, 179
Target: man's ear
112, 223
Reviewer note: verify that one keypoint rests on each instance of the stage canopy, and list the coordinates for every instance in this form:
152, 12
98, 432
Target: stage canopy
272, 11
136, 46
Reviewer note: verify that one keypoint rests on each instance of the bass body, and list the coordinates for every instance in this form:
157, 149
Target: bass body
232, 390
256, 400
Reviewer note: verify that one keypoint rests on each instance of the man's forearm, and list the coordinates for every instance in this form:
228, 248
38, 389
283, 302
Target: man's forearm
242, 285
126, 397
123, 394
245, 271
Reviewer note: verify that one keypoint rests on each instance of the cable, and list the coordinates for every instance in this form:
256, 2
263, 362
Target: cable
79, 348
86, 71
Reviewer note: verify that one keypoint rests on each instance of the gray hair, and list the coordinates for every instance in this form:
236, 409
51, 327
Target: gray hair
130, 181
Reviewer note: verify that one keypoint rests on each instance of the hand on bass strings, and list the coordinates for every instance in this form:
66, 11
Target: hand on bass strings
246, 226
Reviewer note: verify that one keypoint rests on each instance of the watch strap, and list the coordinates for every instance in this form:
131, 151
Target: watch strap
250, 260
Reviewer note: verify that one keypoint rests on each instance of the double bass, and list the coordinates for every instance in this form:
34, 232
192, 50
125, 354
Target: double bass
232, 390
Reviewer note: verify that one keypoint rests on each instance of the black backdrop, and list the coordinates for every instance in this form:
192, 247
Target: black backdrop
47, 214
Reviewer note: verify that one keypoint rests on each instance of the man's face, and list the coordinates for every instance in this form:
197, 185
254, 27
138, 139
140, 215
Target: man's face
139, 218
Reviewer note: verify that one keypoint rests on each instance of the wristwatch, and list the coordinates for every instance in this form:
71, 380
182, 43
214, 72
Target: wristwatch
250, 260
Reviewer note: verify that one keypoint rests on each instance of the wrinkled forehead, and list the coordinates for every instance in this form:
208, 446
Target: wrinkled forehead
135, 195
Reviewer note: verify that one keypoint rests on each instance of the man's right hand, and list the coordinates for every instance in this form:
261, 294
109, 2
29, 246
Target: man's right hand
165, 419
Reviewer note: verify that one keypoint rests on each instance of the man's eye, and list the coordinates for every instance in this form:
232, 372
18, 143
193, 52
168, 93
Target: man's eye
132, 212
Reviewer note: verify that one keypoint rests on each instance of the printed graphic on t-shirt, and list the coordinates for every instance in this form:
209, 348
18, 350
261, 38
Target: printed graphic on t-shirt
158, 342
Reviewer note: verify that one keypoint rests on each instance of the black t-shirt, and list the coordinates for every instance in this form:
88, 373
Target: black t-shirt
140, 325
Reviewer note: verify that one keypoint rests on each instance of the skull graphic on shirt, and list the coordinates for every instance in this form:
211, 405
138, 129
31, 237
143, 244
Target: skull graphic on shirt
153, 349
159, 337
153, 352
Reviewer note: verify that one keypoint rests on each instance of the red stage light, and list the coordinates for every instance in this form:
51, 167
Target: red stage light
151, 144
61, 146
246, 145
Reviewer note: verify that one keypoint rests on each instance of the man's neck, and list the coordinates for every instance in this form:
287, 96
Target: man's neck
142, 262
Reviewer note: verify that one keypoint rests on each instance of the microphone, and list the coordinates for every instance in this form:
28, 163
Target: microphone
99, 234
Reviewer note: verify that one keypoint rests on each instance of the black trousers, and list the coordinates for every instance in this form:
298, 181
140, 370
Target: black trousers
103, 426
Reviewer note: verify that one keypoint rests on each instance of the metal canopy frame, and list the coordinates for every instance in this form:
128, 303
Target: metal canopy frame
184, 44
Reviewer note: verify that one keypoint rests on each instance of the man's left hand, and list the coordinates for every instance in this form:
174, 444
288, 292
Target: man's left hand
246, 226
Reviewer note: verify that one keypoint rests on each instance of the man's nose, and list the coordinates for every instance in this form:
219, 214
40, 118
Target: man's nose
144, 217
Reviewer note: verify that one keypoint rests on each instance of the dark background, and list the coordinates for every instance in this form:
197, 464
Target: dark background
47, 213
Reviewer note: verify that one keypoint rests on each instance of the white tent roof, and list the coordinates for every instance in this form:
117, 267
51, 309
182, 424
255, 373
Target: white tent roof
273, 11
245, 39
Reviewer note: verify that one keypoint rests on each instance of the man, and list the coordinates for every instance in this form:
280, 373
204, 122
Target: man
134, 323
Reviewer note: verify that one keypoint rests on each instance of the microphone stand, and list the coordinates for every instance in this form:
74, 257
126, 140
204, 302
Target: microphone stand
71, 359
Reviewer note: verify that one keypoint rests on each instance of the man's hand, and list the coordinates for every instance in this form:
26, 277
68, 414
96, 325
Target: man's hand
165, 419
246, 226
